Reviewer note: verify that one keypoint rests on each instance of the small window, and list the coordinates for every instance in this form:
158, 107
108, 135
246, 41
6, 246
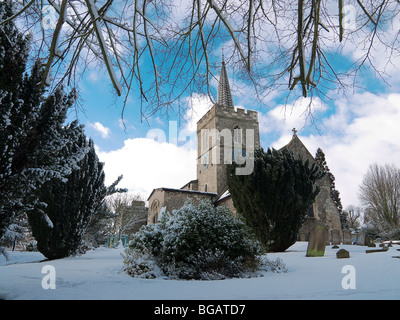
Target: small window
310, 211
205, 188
237, 135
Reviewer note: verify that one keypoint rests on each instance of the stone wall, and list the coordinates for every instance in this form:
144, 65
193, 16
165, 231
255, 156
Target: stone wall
173, 199
222, 121
325, 210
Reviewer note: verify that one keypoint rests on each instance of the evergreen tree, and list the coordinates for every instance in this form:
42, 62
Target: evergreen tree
33, 135
59, 223
13, 56
275, 197
335, 195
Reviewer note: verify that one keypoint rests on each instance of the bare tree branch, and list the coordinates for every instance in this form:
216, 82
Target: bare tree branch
54, 43
163, 51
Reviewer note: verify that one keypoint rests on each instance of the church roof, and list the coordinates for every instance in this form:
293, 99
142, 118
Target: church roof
211, 194
298, 147
224, 97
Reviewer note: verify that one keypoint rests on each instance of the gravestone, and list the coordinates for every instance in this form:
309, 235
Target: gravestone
362, 239
347, 237
342, 254
318, 237
335, 236
384, 249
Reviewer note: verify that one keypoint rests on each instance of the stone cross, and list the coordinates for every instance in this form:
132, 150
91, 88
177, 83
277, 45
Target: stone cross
294, 131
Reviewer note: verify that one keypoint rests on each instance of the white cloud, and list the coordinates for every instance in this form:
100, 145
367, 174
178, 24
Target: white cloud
147, 164
198, 106
283, 118
99, 128
363, 130
162, 159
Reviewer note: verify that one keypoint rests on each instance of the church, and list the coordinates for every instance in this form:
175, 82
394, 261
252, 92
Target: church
225, 133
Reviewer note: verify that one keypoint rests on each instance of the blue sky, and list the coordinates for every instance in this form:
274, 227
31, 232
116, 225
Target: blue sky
354, 131
354, 128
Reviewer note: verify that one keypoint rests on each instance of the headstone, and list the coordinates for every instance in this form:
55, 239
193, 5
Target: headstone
342, 254
347, 237
362, 239
384, 249
318, 237
335, 236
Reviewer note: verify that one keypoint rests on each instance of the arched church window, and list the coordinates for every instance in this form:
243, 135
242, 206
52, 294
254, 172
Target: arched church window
237, 135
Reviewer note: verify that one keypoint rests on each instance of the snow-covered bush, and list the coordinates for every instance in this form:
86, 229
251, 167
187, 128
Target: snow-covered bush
140, 264
196, 242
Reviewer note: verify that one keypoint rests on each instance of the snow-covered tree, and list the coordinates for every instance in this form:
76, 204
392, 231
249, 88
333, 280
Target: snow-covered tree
272, 45
335, 194
14, 118
194, 242
128, 212
60, 219
380, 195
33, 135
352, 217
17, 232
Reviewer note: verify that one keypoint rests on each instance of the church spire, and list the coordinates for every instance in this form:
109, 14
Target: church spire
224, 97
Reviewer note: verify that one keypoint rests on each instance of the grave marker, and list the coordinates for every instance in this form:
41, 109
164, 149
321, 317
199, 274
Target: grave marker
317, 241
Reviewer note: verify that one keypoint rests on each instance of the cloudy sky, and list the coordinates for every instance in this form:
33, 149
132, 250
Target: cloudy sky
354, 129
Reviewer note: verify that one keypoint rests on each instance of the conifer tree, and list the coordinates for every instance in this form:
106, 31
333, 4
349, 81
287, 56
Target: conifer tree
66, 206
335, 195
13, 56
275, 197
33, 133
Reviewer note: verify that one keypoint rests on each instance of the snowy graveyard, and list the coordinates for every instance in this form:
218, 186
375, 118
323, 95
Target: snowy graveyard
98, 274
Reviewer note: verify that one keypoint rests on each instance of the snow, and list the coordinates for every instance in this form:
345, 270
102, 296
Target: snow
48, 221
98, 275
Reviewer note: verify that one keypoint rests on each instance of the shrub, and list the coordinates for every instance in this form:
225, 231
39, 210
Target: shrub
196, 242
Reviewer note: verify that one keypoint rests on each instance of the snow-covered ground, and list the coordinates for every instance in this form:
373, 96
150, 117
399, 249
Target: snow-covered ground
98, 275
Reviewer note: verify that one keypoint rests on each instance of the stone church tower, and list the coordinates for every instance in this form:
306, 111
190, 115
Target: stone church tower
223, 134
